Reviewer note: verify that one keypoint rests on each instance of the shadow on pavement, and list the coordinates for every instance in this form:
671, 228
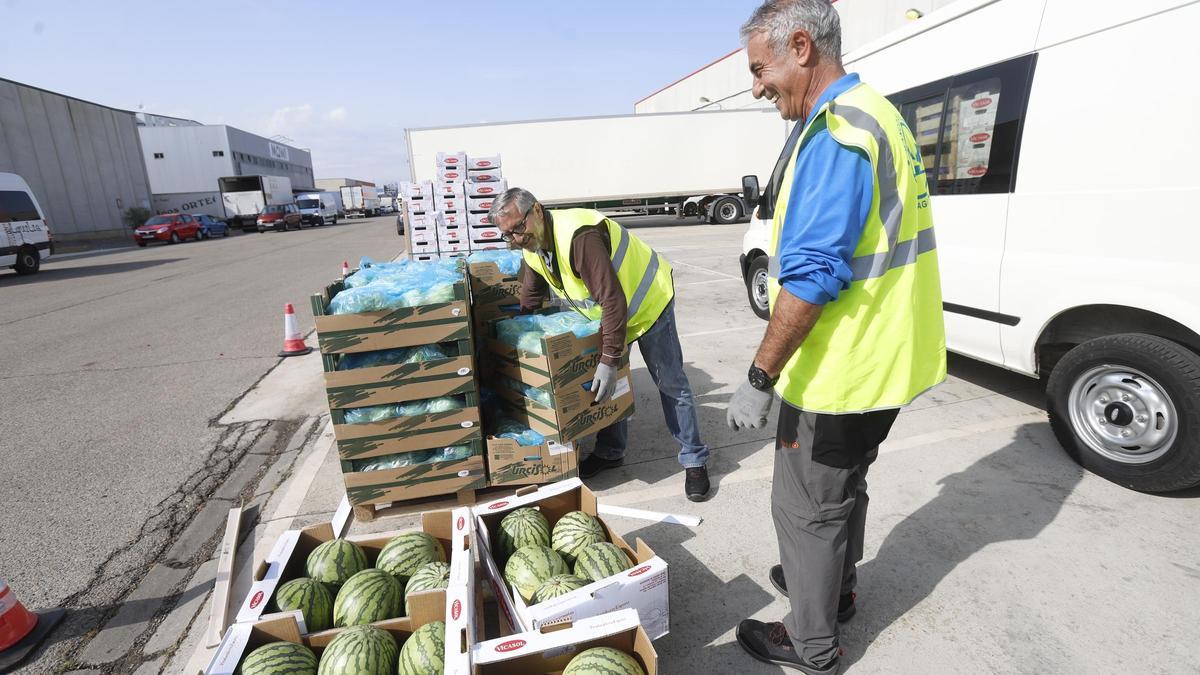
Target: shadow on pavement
50, 272
1011, 494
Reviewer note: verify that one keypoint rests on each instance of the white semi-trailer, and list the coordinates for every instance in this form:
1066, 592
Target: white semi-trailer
360, 201
689, 163
244, 197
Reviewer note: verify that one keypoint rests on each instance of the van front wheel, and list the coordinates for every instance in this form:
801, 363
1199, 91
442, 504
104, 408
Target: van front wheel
756, 287
28, 261
1127, 408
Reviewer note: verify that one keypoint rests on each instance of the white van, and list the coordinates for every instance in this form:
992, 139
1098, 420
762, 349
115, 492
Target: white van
1061, 154
25, 239
319, 208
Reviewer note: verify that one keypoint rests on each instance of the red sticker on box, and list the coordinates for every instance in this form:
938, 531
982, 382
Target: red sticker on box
461, 522
981, 103
256, 600
977, 171
484, 163
485, 190
497, 505
640, 571
511, 645
980, 137
456, 609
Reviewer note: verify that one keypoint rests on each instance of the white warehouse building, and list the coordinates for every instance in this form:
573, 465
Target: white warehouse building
184, 159
724, 84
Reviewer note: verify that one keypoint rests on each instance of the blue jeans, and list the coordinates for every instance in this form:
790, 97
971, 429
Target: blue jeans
664, 359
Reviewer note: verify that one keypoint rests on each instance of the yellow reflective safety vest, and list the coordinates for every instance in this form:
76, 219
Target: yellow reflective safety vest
881, 343
645, 275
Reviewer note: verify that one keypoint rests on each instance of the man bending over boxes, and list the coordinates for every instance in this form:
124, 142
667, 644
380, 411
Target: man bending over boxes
606, 273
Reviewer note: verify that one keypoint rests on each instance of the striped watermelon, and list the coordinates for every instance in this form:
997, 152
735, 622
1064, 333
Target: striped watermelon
523, 527
335, 561
601, 561
530, 566
573, 532
431, 576
279, 658
603, 661
406, 553
360, 650
424, 652
313, 600
557, 585
369, 596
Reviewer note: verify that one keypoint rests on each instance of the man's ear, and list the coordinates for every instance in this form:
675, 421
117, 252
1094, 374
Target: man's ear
800, 47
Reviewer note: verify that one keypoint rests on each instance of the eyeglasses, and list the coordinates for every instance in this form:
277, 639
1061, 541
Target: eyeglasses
518, 229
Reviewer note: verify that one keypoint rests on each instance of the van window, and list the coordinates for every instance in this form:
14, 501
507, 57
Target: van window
16, 205
968, 127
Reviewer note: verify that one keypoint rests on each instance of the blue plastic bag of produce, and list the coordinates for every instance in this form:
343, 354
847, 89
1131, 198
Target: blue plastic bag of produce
379, 413
507, 428
509, 262
530, 391
525, 332
391, 357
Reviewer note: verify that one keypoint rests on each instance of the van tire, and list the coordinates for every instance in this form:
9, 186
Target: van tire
29, 261
756, 274
1125, 379
727, 210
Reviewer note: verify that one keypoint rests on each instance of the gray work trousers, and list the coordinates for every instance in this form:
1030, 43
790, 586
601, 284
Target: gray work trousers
819, 506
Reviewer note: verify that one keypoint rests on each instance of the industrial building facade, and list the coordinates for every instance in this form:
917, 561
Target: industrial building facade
725, 83
82, 160
184, 161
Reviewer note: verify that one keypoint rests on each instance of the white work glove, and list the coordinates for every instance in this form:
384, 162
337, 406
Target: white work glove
604, 382
749, 407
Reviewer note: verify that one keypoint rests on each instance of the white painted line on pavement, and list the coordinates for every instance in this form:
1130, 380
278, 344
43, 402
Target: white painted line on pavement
722, 330
705, 269
708, 281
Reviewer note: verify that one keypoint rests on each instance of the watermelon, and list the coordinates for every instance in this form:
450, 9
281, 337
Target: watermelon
601, 561
313, 600
424, 652
404, 554
573, 532
603, 661
360, 650
523, 527
557, 585
335, 561
369, 596
530, 566
279, 658
431, 576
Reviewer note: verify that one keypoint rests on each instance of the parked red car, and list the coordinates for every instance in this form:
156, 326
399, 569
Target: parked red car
169, 227
280, 217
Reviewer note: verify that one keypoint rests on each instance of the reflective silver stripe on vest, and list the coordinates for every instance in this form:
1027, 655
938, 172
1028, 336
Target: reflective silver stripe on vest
906, 252
891, 208
644, 285
622, 247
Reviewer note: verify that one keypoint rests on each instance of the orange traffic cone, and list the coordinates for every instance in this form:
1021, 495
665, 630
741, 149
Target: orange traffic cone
293, 343
20, 629
345, 269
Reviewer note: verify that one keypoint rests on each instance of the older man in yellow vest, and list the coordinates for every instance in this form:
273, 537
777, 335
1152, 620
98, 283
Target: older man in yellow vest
856, 318
606, 273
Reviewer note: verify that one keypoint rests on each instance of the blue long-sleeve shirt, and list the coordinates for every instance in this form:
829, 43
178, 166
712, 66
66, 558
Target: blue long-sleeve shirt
829, 203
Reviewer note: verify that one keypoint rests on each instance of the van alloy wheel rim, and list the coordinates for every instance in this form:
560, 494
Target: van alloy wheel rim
759, 285
1122, 414
727, 210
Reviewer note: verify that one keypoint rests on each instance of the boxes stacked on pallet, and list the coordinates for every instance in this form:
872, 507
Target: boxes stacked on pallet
401, 385
455, 221
484, 182
419, 209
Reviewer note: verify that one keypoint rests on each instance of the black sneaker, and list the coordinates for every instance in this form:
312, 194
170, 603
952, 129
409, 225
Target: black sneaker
846, 609
769, 643
592, 465
696, 484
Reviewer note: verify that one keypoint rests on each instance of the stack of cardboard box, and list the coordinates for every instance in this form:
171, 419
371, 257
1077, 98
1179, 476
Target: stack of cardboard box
448, 217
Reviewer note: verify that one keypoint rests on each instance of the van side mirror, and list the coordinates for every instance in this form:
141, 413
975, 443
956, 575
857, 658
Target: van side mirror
750, 193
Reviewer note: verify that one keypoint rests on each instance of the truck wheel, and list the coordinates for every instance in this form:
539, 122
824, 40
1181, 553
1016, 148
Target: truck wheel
1127, 408
756, 287
29, 261
726, 211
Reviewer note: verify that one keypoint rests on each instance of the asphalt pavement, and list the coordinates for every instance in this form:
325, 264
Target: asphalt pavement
114, 369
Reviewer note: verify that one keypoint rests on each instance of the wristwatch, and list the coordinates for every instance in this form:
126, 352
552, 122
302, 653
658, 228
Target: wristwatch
760, 380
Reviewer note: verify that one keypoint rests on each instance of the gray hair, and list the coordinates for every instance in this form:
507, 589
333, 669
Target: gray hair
780, 19
520, 197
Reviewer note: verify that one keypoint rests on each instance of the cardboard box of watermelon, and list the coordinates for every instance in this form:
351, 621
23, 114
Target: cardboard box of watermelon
563, 372
403, 394
337, 582
420, 643
550, 557
611, 643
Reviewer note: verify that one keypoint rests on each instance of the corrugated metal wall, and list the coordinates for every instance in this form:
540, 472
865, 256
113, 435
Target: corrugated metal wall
83, 161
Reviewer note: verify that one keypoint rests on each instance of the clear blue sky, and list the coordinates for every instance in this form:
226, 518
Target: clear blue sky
346, 78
